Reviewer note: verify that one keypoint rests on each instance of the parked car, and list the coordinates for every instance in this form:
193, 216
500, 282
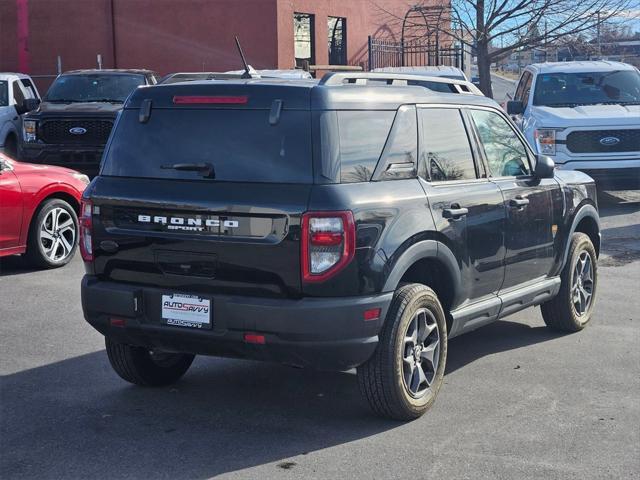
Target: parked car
361, 221
586, 115
17, 95
72, 124
38, 211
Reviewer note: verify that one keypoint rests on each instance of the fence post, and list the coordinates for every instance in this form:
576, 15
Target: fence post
59, 65
370, 53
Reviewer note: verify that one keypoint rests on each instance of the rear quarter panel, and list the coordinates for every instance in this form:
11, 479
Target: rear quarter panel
390, 216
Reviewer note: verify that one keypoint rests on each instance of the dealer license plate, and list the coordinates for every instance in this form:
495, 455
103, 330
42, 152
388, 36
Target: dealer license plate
186, 311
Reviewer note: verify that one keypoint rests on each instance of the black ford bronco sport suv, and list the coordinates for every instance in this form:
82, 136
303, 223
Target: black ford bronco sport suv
361, 221
72, 124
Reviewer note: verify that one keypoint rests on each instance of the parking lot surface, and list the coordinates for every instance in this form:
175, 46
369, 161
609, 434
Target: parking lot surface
519, 401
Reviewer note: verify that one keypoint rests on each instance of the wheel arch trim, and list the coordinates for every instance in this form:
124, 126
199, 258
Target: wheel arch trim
425, 249
586, 210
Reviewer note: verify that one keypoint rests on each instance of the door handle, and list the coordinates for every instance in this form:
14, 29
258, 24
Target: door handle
518, 202
456, 212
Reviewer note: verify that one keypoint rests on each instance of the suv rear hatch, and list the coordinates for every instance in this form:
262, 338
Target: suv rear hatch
202, 188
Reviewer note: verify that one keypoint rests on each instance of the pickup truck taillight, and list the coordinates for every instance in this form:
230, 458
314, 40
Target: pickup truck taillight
86, 228
328, 244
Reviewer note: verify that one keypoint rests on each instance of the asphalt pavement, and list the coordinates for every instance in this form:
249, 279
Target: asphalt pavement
501, 86
519, 401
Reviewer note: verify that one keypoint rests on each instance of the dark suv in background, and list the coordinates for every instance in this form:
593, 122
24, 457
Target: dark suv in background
356, 222
72, 124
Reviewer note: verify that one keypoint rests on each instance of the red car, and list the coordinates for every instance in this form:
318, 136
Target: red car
38, 211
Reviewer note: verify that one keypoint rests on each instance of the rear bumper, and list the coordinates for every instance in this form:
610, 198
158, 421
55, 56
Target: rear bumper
323, 333
85, 159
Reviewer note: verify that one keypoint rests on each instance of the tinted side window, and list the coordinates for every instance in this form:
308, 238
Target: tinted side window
4, 93
399, 158
527, 90
523, 80
505, 153
18, 96
362, 137
444, 145
28, 86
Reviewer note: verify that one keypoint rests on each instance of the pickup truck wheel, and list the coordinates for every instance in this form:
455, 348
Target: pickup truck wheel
53, 234
402, 378
146, 368
571, 309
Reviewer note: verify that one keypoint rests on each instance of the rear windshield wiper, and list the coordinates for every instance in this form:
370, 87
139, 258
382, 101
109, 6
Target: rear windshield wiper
206, 169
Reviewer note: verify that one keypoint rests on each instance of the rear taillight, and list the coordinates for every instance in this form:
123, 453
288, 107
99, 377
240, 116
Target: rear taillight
86, 229
328, 244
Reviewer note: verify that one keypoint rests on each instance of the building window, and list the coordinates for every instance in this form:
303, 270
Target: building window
303, 38
337, 29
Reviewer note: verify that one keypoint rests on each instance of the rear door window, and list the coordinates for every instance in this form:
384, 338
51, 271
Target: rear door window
445, 151
240, 144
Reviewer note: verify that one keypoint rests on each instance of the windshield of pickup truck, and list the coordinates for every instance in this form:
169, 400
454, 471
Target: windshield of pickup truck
4, 93
114, 88
619, 87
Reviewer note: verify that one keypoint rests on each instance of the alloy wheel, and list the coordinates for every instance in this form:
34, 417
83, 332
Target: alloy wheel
421, 353
57, 234
582, 284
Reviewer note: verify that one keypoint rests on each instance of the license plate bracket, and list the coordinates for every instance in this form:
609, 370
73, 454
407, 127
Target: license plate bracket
190, 311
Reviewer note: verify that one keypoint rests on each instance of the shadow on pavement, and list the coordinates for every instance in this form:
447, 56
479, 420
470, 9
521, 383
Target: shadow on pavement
500, 336
15, 265
75, 418
618, 203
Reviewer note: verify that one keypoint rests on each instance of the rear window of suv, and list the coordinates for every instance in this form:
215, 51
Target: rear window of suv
240, 144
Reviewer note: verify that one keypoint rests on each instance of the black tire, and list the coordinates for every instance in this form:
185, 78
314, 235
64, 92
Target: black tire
382, 378
142, 367
11, 146
563, 312
37, 253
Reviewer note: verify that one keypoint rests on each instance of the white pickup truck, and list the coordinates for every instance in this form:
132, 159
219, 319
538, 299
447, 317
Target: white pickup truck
17, 93
585, 115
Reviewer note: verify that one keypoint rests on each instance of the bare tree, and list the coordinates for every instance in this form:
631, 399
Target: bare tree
526, 24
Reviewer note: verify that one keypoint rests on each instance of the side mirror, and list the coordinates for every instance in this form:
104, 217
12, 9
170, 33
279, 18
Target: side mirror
28, 105
545, 167
515, 107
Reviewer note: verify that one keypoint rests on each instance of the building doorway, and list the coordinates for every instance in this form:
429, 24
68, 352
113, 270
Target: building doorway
337, 30
304, 40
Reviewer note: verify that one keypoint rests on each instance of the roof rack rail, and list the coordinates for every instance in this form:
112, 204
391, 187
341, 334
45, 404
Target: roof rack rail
362, 78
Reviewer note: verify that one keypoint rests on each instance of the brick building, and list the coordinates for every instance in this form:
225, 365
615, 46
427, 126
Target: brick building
191, 35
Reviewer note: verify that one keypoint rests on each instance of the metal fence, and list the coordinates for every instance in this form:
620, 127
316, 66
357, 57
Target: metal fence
416, 53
